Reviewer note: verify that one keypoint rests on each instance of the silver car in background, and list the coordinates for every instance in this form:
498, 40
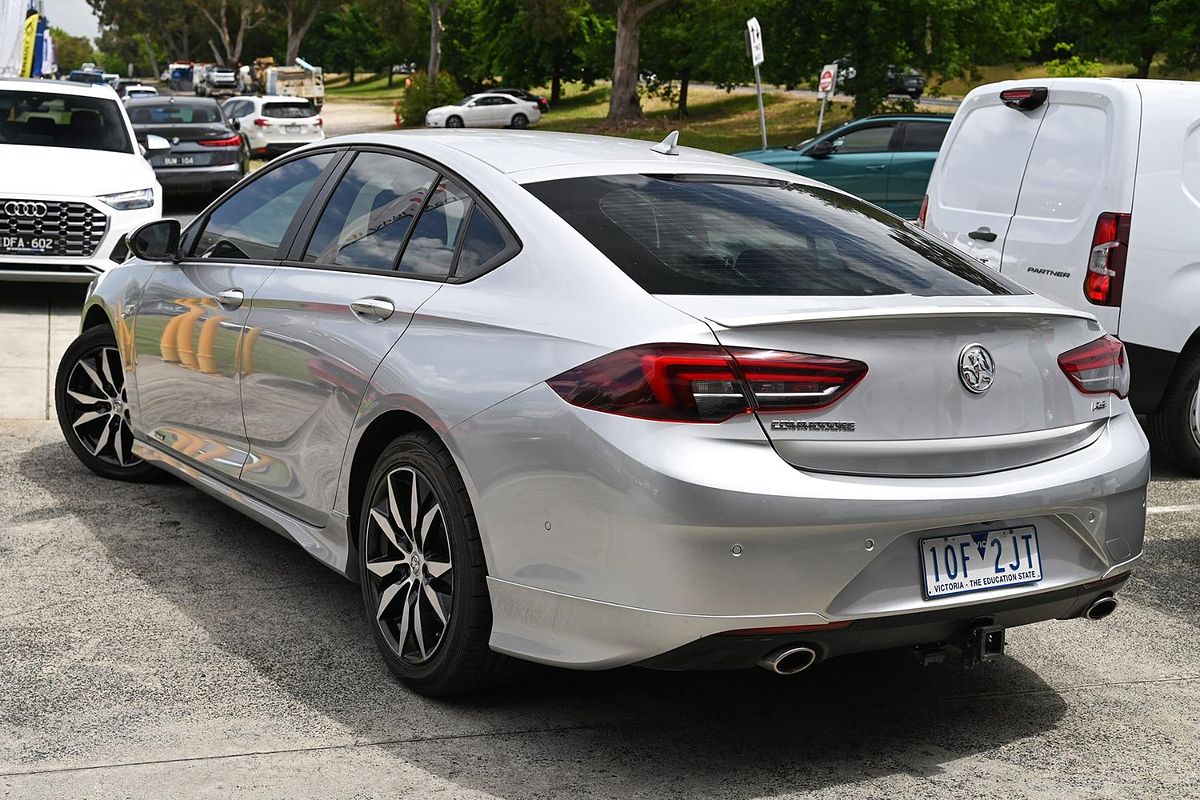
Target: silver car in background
585, 402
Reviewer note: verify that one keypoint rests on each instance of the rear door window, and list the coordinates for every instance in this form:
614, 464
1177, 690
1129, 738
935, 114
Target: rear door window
707, 235
367, 219
923, 137
985, 162
251, 223
1066, 164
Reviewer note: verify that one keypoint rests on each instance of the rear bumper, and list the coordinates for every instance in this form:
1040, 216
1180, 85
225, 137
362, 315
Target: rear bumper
611, 541
216, 178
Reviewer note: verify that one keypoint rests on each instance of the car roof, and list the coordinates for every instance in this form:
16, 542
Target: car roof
275, 98
907, 115
171, 100
526, 156
56, 87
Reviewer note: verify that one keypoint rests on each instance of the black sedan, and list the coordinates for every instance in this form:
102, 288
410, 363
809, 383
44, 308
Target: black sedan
207, 154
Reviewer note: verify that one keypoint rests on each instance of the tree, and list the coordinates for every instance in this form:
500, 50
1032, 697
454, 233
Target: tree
699, 41
230, 24
624, 105
300, 15
71, 51
135, 26
436, 9
1133, 31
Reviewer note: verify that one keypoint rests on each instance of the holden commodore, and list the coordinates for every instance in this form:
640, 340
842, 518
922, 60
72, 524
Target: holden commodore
588, 402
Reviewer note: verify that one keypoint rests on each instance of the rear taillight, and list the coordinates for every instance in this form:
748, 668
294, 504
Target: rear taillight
231, 141
1024, 99
1105, 276
706, 383
924, 210
260, 122
1098, 367
320, 122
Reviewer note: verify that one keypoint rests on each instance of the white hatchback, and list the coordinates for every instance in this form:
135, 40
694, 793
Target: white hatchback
275, 124
484, 111
73, 180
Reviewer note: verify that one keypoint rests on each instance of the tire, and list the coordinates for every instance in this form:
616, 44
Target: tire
916, 96
454, 121
89, 392
520, 121
1175, 426
432, 630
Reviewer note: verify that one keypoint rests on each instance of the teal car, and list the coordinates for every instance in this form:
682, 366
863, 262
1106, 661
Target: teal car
885, 159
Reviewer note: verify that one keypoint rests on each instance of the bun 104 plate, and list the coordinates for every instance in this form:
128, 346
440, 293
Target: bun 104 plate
980, 561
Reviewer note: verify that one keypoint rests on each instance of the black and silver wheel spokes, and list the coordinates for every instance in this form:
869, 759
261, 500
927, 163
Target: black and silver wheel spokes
98, 407
409, 564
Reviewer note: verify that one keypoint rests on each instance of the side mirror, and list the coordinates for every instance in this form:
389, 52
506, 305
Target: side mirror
235, 124
156, 146
823, 148
155, 241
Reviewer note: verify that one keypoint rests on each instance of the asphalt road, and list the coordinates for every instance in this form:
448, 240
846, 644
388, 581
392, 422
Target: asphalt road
156, 644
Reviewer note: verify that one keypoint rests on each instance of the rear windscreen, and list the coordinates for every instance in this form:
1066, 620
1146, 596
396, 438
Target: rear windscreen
62, 120
711, 235
289, 110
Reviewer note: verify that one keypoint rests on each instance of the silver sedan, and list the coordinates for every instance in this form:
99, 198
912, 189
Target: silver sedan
588, 402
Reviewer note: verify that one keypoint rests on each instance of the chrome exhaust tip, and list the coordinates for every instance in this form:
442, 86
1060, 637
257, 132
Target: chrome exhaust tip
1101, 607
789, 660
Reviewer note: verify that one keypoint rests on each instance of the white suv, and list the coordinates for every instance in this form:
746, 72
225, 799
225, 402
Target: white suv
1087, 191
73, 180
275, 124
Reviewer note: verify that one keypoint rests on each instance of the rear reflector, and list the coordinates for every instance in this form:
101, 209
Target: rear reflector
1105, 277
1098, 367
706, 383
232, 141
1024, 99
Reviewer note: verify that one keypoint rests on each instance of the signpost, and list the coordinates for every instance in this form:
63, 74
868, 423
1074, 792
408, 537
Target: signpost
826, 87
755, 41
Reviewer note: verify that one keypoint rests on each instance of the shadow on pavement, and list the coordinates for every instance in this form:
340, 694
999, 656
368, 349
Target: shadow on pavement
620, 733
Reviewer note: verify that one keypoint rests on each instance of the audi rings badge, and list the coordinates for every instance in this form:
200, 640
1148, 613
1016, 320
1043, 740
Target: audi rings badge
25, 208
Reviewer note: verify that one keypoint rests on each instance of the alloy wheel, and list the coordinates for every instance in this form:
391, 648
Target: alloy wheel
409, 564
1194, 415
98, 407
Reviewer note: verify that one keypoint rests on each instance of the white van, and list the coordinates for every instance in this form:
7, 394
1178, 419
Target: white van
1087, 191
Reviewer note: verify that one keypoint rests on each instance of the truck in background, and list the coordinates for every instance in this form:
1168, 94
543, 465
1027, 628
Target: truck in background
265, 77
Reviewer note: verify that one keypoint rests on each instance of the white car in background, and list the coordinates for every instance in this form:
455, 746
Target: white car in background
139, 90
485, 110
273, 124
73, 180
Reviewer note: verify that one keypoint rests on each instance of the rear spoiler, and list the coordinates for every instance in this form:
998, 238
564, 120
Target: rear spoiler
910, 312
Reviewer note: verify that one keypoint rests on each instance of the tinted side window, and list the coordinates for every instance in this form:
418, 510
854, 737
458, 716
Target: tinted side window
430, 250
370, 212
924, 137
708, 235
482, 244
865, 140
252, 222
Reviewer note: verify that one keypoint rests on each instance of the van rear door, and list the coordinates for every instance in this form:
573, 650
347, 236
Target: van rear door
974, 187
1082, 165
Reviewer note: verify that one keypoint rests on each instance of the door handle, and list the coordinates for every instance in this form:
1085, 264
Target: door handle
373, 309
231, 298
875, 167
982, 235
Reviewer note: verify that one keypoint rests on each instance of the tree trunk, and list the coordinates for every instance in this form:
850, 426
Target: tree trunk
435, 44
298, 29
623, 105
351, 81
391, 75
1148, 51
150, 52
685, 77
556, 76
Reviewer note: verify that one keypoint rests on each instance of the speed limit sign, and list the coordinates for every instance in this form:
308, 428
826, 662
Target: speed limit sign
828, 78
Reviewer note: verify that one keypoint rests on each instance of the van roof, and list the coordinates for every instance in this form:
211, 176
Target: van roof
1148, 87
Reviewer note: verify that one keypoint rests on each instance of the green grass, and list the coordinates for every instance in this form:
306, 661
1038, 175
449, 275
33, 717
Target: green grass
366, 86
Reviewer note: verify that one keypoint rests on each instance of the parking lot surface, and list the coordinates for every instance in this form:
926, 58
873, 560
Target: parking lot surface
155, 644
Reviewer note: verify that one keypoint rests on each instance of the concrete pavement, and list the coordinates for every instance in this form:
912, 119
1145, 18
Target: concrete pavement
156, 644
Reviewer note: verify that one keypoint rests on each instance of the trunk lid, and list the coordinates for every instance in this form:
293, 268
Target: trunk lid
912, 414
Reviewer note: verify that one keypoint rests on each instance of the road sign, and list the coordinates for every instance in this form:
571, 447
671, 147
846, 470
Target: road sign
828, 78
756, 42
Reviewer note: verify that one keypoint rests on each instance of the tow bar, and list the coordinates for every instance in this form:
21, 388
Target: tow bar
982, 642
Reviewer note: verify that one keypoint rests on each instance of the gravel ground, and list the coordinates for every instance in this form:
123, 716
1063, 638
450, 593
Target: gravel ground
156, 644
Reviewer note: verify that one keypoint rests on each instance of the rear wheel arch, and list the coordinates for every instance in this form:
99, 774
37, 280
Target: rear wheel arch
380, 433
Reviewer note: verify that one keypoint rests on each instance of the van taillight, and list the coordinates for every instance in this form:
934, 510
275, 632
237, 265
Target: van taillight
1024, 99
924, 210
706, 383
1105, 276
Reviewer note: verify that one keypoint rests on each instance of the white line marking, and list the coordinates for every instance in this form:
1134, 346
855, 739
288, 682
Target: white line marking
1172, 509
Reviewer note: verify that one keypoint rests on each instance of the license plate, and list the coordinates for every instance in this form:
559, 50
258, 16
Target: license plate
980, 561
26, 244
178, 161
291, 128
